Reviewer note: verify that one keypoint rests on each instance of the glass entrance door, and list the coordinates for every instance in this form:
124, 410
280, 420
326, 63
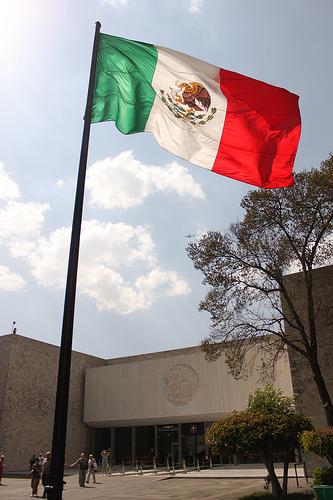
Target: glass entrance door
174, 452
168, 445
193, 443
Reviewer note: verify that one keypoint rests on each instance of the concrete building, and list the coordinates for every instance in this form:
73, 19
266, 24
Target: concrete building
28, 379
142, 406
155, 404
303, 383
160, 404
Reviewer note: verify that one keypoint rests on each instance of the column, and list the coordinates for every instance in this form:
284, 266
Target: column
155, 441
180, 444
113, 446
92, 441
206, 447
133, 444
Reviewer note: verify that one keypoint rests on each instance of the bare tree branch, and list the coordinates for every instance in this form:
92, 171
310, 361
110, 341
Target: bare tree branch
250, 299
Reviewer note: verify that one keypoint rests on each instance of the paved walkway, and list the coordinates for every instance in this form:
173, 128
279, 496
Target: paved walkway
242, 472
147, 486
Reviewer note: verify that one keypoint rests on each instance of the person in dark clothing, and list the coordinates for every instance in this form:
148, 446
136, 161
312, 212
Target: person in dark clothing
35, 478
82, 462
2, 465
46, 471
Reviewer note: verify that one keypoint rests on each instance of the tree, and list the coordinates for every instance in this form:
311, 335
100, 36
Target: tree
320, 442
268, 426
246, 266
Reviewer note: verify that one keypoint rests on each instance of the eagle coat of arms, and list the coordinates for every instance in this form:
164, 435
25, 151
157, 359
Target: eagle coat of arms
191, 102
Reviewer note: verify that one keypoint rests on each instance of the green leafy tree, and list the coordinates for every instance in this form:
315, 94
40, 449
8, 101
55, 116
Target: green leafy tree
270, 400
268, 426
320, 442
245, 268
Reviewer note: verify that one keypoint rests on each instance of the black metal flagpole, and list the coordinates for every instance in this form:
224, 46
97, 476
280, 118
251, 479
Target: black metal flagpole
54, 491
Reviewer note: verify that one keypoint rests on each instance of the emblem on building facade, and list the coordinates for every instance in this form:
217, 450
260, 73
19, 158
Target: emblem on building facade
180, 383
190, 102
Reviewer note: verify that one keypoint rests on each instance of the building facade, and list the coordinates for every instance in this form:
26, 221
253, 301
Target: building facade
304, 387
160, 404
151, 405
28, 379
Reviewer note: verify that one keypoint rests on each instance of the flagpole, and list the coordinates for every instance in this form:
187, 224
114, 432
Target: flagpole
54, 490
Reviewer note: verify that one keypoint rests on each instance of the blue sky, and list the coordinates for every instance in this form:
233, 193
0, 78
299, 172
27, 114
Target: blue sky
137, 290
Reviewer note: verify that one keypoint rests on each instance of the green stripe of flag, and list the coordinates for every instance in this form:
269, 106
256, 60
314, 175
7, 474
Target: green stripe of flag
123, 91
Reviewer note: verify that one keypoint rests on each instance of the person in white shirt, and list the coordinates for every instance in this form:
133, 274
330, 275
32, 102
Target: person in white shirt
92, 469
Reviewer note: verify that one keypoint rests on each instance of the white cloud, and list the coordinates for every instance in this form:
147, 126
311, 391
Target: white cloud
10, 282
21, 220
8, 188
107, 251
157, 278
60, 183
118, 269
47, 257
117, 245
112, 292
194, 6
124, 182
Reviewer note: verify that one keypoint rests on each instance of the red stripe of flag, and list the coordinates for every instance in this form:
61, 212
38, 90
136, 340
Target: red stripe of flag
260, 134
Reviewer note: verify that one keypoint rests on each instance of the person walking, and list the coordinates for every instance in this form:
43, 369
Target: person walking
2, 465
35, 478
105, 462
82, 462
92, 469
46, 472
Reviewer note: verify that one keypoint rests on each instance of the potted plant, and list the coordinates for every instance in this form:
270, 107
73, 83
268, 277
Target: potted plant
323, 482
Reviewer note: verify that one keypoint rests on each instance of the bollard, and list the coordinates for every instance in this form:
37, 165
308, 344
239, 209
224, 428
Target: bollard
173, 468
168, 465
210, 463
305, 472
136, 466
198, 465
123, 467
155, 467
184, 466
141, 469
296, 475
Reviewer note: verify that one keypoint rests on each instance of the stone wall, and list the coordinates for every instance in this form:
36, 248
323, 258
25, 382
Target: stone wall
304, 386
28, 397
4, 364
169, 387
138, 389
302, 378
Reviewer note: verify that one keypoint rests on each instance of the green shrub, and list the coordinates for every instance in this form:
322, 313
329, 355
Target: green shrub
319, 441
322, 475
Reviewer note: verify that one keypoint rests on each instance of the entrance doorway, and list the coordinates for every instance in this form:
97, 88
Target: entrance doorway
193, 443
168, 444
175, 452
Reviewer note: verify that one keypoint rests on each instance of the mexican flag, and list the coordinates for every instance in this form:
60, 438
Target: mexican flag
220, 120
